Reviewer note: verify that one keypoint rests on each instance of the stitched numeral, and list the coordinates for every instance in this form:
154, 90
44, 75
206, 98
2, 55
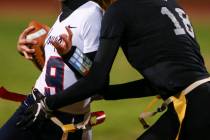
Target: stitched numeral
179, 30
54, 75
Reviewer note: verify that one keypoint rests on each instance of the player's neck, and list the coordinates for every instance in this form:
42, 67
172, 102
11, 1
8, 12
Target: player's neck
68, 6
72, 4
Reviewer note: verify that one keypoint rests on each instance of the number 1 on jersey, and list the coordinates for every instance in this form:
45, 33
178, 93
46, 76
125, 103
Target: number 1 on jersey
179, 30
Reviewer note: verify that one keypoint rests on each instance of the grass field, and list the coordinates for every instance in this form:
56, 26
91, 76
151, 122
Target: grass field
122, 116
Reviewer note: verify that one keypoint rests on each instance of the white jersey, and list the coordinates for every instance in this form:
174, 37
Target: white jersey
85, 23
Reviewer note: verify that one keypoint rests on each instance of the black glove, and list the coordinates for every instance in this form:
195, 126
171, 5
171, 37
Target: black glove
37, 112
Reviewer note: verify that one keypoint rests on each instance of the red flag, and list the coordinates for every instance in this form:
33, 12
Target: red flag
12, 96
97, 118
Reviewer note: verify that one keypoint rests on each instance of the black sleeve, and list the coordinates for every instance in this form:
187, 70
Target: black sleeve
91, 55
111, 31
134, 89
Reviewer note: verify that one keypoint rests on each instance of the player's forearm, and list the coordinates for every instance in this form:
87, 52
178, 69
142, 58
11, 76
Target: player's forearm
135, 89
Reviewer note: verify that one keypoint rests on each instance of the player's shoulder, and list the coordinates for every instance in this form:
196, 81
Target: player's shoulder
90, 13
91, 8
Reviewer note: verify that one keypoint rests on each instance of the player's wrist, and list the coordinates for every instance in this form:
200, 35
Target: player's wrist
69, 54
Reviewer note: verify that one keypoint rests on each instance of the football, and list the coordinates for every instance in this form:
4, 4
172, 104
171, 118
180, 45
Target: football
39, 34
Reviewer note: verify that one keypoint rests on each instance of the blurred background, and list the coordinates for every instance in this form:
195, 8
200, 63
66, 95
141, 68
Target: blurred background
19, 75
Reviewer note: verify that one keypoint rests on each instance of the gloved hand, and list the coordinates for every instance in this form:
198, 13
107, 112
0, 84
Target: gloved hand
36, 113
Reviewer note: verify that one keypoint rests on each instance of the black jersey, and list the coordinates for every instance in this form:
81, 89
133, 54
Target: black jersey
158, 41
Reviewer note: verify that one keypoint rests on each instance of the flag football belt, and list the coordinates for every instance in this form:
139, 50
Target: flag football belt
93, 119
179, 102
90, 120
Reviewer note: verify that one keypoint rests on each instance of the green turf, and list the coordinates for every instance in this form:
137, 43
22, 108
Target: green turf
122, 116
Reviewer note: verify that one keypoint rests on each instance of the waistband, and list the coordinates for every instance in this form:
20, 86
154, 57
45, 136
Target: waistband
178, 100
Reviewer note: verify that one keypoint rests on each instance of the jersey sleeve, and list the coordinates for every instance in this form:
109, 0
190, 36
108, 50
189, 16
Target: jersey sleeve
90, 31
129, 90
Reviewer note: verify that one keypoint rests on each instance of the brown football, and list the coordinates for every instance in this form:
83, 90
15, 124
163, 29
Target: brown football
39, 34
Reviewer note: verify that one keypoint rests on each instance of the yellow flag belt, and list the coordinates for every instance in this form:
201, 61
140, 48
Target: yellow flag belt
179, 102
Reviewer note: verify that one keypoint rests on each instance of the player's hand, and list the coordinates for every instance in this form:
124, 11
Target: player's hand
36, 113
65, 45
23, 45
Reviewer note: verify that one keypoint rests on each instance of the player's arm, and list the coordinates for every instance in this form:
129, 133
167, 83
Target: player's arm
77, 58
134, 89
82, 62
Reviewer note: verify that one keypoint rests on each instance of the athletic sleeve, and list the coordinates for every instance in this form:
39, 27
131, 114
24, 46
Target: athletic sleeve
134, 89
111, 30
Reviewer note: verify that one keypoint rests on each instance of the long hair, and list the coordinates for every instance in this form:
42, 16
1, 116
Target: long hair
104, 3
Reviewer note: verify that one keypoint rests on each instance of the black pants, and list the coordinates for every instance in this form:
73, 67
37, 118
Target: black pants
196, 124
46, 130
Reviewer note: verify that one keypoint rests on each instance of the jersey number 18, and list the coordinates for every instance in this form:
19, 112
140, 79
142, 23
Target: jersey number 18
179, 30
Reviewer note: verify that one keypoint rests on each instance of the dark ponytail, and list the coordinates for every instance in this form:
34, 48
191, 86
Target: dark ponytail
103, 3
